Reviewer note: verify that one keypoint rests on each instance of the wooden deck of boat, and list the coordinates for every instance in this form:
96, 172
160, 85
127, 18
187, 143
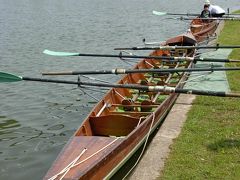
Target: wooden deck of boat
75, 146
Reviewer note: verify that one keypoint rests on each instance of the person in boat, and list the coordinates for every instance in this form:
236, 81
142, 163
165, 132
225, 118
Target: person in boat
216, 11
205, 13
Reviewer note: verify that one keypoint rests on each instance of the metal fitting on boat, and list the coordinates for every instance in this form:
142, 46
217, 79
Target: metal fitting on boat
167, 47
119, 71
179, 58
184, 58
162, 89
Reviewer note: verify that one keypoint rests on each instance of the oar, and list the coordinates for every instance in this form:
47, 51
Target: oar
159, 13
210, 18
179, 47
131, 71
54, 53
6, 77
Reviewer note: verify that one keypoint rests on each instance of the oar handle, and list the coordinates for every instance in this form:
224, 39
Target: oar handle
232, 94
208, 93
234, 60
216, 60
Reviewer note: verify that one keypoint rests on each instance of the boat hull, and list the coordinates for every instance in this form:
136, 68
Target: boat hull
203, 30
117, 126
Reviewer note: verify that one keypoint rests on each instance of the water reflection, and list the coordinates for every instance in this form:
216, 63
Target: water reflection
7, 127
16, 138
7, 123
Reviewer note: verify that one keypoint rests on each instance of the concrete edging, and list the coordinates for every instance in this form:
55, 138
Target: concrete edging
152, 162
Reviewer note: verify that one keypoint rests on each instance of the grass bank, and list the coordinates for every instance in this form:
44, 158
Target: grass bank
209, 145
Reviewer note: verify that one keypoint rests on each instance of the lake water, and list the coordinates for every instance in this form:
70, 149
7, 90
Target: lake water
37, 119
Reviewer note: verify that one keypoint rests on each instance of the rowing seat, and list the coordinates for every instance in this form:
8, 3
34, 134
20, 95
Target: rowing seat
146, 106
113, 125
127, 102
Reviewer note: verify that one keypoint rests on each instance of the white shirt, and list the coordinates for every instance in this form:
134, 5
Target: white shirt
216, 9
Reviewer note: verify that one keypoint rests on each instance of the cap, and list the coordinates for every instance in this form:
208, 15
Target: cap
207, 2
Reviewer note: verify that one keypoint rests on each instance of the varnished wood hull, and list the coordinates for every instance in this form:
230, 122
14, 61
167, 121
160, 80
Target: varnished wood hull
203, 30
110, 135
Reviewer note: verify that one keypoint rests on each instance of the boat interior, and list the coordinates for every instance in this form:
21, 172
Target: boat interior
122, 110
202, 29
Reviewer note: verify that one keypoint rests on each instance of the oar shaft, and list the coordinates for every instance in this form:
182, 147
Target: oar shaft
213, 18
179, 47
126, 56
49, 80
6, 77
159, 13
175, 70
80, 72
131, 56
140, 87
64, 54
129, 86
182, 14
130, 71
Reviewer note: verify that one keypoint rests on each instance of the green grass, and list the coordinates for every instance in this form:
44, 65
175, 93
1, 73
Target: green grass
209, 145
231, 36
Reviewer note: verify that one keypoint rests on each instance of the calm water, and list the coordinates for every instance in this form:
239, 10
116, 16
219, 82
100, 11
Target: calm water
37, 119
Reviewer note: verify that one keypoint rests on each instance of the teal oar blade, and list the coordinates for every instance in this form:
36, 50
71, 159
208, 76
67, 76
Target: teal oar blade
7, 77
159, 13
54, 53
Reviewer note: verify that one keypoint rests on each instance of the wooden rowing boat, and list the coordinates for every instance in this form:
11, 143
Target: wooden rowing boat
121, 122
202, 30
